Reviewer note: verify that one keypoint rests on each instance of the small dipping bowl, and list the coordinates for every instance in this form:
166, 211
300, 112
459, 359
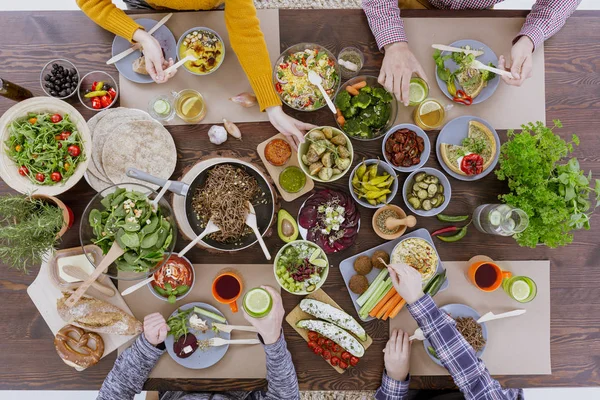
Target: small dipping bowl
401, 214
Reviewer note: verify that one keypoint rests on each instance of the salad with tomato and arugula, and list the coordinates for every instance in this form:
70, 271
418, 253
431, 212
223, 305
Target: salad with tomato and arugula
47, 148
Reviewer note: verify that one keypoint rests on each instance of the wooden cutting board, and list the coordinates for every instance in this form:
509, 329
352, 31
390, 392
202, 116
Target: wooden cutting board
297, 315
275, 171
44, 293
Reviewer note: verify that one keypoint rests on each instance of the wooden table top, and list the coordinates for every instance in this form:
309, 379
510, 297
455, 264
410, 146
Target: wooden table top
30, 39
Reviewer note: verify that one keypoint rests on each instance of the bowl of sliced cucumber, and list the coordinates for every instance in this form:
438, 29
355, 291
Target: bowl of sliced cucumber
301, 267
426, 192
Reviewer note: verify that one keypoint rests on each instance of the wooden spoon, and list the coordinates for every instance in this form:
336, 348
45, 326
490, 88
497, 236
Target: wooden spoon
393, 223
79, 273
115, 252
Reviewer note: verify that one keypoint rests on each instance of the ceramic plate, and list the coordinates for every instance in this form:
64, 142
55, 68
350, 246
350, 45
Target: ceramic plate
303, 231
458, 310
453, 133
201, 358
487, 57
163, 35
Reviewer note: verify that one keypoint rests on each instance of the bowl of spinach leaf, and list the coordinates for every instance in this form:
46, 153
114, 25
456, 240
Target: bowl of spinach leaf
125, 213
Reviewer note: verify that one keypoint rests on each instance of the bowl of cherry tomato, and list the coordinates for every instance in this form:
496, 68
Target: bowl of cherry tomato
98, 91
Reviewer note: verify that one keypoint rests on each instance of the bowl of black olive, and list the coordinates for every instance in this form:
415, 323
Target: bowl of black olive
59, 78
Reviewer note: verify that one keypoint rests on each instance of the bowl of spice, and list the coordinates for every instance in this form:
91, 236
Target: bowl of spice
390, 222
351, 61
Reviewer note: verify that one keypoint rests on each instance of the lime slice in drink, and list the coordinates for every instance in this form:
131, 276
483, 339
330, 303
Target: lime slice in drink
162, 107
257, 302
416, 92
520, 290
429, 107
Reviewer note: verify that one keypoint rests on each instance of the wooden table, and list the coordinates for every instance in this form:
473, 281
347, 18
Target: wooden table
29, 361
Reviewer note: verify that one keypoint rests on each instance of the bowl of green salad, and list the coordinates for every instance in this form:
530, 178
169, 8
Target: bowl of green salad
301, 267
46, 145
125, 213
365, 110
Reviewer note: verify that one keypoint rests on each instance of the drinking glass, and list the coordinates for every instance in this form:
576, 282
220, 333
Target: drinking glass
189, 105
429, 115
500, 219
161, 108
520, 288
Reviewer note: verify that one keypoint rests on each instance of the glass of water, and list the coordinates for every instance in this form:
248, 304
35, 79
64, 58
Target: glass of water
161, 108
500, 219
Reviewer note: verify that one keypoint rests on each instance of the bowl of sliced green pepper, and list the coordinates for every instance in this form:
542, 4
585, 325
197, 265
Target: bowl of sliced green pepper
125, 213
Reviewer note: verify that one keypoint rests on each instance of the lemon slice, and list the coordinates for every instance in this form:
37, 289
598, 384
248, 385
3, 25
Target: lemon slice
187, 106
520, 290
429, 107
416, 93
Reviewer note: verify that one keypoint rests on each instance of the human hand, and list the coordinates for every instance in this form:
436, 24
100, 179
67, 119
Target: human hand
521, 66
406, 281
399, 63
269, 327
155, 328
397, 356
155, 61
293, 129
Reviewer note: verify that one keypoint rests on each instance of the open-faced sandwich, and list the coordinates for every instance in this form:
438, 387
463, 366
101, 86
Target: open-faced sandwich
475, 154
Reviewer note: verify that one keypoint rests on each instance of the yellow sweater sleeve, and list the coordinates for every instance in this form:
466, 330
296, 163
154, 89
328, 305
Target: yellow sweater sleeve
110, 17
249, 45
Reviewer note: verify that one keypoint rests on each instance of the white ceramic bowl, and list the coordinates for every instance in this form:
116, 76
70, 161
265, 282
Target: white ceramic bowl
381, 168
424, 155
323, 275
443, 180
9, 170
303, 149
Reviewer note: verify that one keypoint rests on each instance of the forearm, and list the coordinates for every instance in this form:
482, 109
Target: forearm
281, 374
469, 373
546, 18
110, 17
130, 371
385, 22
392, 389
249, 45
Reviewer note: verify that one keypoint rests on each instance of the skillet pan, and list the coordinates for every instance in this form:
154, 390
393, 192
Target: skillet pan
264, 205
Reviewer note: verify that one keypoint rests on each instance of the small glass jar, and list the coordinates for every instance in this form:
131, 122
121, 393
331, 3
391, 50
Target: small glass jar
161, 108
353, 56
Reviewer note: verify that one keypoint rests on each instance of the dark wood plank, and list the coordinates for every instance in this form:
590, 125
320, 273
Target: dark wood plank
572, 79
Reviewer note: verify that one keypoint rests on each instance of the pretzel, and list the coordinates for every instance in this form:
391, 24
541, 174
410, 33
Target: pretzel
73, 346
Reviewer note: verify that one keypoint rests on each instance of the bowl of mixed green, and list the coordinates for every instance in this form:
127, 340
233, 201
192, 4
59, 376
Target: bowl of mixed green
46, 146
125, 214
365, 110
301, 267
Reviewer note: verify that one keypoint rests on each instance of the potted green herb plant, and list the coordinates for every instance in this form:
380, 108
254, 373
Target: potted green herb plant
30, 226
555, 193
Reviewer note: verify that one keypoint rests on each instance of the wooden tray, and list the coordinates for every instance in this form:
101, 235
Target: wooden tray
275, 171
44, 293
297, 314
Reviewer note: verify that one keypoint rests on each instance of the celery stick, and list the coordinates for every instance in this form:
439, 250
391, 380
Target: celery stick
372, 287
384, 287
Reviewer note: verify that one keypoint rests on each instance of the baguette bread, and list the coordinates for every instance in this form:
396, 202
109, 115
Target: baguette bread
98, 316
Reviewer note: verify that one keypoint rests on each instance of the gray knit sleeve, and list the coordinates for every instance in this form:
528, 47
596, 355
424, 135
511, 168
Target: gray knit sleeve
130, 371
281, 374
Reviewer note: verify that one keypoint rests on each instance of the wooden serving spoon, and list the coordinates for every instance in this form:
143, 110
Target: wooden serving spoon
79, 273
115, 252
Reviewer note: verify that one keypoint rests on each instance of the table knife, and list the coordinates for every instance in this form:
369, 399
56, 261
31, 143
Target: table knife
138, 46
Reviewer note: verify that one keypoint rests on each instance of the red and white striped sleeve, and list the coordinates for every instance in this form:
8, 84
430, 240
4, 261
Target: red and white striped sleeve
546, 18
385, 22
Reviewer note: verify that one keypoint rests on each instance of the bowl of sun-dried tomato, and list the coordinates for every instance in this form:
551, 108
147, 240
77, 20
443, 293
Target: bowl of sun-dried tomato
406, 147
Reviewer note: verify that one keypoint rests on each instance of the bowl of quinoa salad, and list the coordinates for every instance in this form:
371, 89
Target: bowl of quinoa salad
290, 76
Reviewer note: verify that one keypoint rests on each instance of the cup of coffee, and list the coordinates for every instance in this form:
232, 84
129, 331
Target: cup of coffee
227, 288
486, 275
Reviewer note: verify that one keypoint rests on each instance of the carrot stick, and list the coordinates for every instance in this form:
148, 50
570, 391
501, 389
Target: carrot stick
389, 305
382, 302
351, 90
390, 309
359, 85
397, 309
338, 112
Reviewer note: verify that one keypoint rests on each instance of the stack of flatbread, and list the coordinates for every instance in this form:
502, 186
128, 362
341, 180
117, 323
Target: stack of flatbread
127, 138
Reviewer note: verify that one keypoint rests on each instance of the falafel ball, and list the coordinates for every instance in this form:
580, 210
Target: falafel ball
362, 265
359, 284
376, 256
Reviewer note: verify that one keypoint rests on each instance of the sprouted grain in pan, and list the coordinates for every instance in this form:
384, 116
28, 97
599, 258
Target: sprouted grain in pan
223, 198
471, 331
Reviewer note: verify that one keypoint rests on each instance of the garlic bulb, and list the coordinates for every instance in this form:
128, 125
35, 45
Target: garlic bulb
217, 134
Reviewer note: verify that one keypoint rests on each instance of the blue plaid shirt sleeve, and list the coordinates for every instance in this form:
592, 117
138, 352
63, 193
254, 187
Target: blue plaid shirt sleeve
469, 373
392, 389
